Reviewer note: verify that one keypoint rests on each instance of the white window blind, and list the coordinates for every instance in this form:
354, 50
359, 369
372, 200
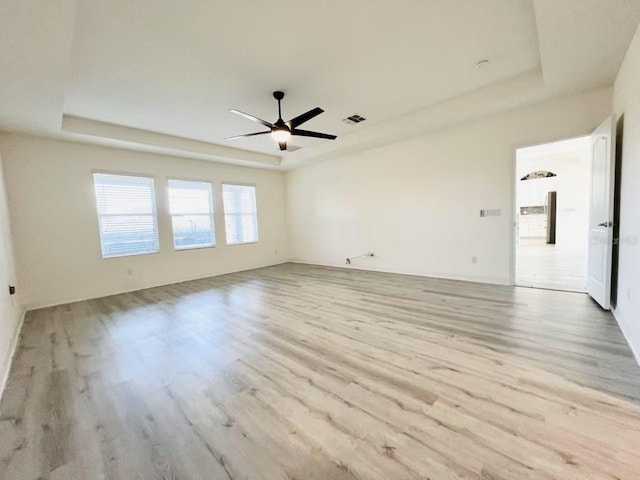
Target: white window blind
240, 214
126, 215
191, 207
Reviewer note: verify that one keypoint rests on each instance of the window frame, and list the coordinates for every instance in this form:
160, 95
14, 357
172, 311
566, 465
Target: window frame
240, 184
212, 214
154, 214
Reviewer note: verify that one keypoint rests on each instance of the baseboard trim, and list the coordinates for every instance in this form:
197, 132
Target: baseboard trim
55, 303
11, 353
627, 336
460, 278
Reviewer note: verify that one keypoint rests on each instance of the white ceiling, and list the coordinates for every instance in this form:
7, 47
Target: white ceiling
572, 145
35, 41
176, 68
583, 42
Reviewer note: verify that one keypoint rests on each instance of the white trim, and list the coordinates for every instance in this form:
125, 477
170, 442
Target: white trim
514, 207
191, 179
627, 336
513, 226
186, 249
239, 184
8, 361
211, 214
153, 213
55, 303
109, 135
240, 214
118, 173
436, 276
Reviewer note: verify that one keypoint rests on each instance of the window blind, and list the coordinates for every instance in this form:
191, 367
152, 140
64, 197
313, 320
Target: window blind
240, 214
191, 207
126, 214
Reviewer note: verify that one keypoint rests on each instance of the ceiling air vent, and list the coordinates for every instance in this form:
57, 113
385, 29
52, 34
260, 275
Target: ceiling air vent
353, 119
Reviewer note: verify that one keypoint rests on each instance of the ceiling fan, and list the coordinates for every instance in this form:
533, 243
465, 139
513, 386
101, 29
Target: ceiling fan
281, 130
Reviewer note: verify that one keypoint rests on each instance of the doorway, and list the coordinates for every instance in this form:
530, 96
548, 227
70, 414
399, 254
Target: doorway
552, 215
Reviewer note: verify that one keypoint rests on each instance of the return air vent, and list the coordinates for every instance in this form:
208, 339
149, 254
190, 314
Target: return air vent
353, 119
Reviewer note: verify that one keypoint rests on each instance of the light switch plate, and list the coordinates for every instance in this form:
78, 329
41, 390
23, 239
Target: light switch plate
491, 212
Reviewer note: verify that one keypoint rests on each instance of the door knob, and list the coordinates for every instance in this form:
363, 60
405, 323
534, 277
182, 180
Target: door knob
604, 224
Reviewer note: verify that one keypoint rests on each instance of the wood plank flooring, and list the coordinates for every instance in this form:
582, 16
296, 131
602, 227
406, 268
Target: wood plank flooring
299, 372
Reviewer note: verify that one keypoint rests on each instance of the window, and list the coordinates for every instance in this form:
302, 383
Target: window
126, 215
191, 207
240, 214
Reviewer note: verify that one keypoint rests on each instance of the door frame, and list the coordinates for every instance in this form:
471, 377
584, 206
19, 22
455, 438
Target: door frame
513, 230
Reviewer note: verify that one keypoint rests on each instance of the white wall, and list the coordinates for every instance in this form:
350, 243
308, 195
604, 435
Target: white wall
11, 310
416, 203
57, 245
627, 101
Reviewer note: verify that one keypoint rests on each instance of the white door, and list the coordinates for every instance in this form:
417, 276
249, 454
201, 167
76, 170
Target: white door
601, 213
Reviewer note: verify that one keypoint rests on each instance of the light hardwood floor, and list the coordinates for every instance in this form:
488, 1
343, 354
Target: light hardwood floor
303, 372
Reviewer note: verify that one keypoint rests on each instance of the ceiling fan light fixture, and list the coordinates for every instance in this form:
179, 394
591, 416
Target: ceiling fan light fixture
281, 135
282, 131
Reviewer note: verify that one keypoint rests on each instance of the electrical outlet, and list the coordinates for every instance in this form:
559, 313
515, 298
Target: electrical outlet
129, 271
474, 259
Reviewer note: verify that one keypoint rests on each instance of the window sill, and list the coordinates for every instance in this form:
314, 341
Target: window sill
186, 249
108, 257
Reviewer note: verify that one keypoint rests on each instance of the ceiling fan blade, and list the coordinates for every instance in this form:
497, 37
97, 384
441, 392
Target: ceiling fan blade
307, 133
283, 146
246, 135
305, 117
251, 117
